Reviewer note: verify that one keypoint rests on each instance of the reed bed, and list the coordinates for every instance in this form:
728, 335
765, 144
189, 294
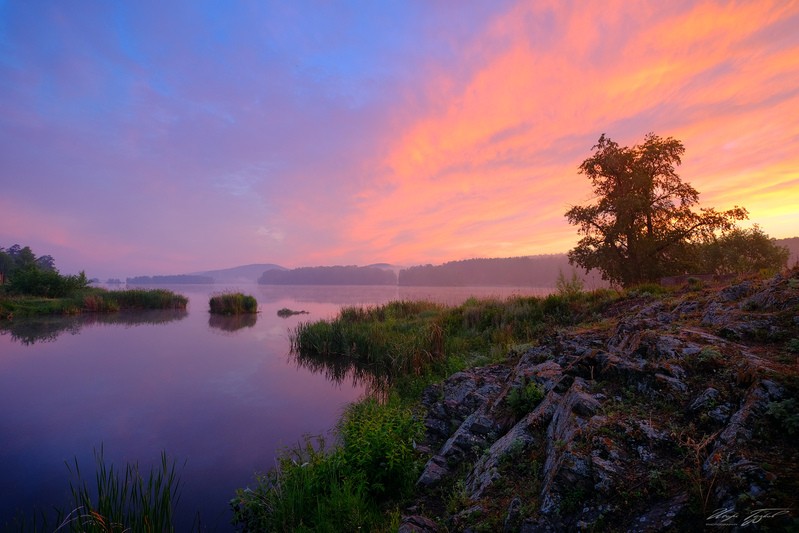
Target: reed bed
415, 338
233, 303
90, 300
147, 299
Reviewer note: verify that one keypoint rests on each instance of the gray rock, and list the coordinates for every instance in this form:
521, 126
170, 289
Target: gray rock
434, 471
511, 523
704, 400
673, 383
417, 524
735, 292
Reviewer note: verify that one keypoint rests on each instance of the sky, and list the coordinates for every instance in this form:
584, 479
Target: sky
149, 137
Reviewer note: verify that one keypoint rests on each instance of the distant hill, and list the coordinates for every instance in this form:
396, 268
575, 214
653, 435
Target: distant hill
792, 244
239, 274
527, 271
330, 275
170, 280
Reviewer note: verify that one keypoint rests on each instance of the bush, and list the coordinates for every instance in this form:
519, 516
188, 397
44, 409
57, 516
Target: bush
523, 399
315, 489
378, 442
45, 283
233, 304
785, 415
569, 288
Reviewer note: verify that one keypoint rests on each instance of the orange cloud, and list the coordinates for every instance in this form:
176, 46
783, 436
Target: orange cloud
491, 169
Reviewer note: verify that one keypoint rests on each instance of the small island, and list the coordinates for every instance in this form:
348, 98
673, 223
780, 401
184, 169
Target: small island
32, 286
286, 312
233, 303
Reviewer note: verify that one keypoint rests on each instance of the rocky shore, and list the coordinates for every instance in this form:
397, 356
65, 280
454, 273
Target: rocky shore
674, 412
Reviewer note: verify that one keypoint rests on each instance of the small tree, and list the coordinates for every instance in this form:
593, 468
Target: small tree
643, 225
741, 251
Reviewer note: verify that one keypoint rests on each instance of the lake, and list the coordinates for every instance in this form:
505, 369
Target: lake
221, 396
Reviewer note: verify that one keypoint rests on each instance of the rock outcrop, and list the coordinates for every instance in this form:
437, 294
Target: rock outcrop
675, 413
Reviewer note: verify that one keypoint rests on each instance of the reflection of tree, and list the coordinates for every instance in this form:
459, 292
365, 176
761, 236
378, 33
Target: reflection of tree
341, 369
232, 322
31, 330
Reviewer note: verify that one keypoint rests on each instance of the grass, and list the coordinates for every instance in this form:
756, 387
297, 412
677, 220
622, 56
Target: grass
233, 303
347, 487
118, 500
409, 343
89, 300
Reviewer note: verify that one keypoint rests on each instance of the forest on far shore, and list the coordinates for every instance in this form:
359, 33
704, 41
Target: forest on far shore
528, 271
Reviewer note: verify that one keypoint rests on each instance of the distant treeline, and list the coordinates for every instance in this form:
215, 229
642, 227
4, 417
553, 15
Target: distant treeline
535, 271
329, 275
532, 271
157, 280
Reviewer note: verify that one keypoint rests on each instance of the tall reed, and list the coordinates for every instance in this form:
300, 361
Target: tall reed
148, 299
128, 501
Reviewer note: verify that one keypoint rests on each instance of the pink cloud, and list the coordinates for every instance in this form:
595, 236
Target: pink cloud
474, 176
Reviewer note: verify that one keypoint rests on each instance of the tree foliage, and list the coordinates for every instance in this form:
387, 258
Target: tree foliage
23, 273
741, 251
644, 223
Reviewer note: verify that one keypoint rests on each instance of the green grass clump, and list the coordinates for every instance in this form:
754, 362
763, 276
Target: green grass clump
343, 488
523, 399
117, 501
129, 501
233, 303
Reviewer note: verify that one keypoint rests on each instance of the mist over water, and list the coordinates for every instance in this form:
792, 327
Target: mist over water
222, 395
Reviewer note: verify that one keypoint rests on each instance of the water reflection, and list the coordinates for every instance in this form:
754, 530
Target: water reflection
231, 323
32, 330
340, 370
376, 295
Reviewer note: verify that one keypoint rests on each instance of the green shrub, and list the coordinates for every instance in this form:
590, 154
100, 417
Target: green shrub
378, 441
649, 289
340, 489
233, 304
525, 398
785, 414
45, 283
709, 355
569, 288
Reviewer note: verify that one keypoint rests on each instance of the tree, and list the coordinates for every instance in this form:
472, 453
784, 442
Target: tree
45, 262
644, 224
741, 251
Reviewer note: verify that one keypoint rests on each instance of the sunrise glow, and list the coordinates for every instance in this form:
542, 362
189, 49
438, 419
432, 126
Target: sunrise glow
142, 139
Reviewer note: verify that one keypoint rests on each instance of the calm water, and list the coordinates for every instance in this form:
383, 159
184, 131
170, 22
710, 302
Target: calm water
220, 395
